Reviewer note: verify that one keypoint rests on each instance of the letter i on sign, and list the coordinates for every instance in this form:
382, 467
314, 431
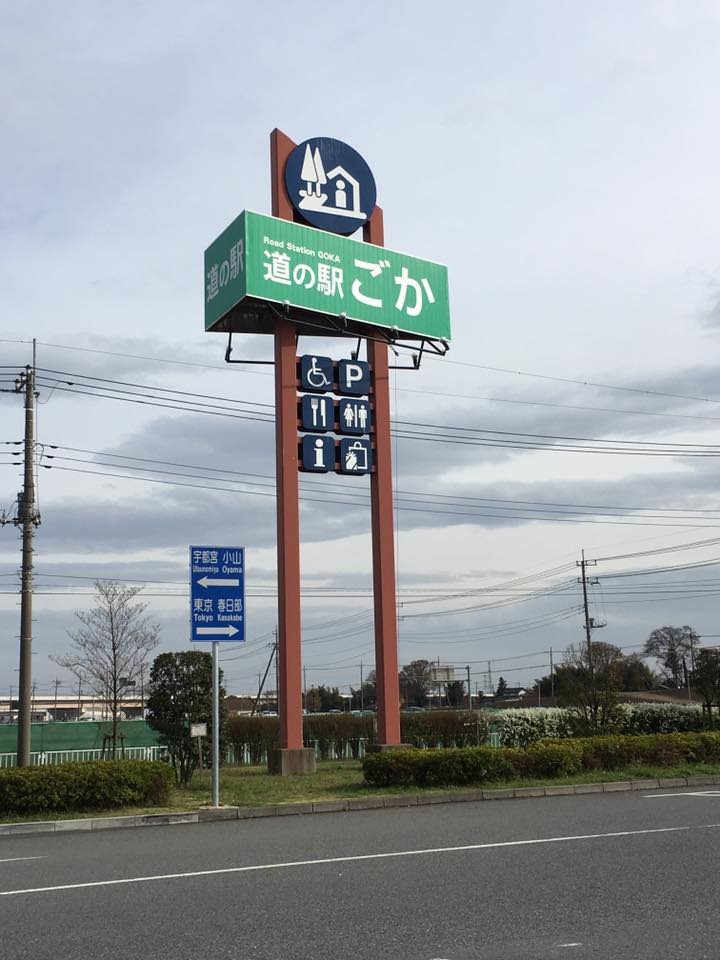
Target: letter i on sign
318, 454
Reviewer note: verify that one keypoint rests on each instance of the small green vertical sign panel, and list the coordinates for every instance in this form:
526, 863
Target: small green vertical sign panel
265, 258
225, 283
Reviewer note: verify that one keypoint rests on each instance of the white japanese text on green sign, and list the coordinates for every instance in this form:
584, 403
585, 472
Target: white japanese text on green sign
265, 258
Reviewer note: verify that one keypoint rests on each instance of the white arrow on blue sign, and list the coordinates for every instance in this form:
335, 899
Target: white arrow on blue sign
217, 593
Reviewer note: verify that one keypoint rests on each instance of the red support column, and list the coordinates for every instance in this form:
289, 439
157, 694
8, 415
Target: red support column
383, 535
288, 538
291, 757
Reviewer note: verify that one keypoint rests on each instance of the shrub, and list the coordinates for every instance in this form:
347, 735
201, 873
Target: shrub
444, 728
547, 759
94, 785
558, 759
660, 718
520, 728
341, 734
256, 735
439, 767
337, 734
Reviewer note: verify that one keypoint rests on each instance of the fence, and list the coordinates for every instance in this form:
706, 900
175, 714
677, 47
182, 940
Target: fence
347, 750
76, 735
73, 756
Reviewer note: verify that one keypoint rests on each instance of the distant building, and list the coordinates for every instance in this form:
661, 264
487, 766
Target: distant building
512, 693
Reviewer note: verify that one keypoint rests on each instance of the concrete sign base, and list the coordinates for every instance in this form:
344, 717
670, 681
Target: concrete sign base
291, 762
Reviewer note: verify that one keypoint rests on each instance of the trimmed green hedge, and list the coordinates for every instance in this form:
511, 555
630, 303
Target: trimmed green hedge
340, 734
444, 728
548, 759
93, 785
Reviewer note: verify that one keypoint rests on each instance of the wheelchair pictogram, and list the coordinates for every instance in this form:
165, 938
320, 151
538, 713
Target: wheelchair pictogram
316, 377
316, 373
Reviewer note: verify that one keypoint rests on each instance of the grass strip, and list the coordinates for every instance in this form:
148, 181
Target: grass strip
249, 786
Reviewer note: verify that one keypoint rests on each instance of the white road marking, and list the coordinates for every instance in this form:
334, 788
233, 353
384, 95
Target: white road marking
685, 793
220, 871
15, 859
569, 944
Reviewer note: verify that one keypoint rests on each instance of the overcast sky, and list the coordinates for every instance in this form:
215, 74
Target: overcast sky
560, 158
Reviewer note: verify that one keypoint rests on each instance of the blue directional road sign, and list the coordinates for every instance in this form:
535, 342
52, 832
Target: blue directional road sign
217, 594
354, 416
354, 377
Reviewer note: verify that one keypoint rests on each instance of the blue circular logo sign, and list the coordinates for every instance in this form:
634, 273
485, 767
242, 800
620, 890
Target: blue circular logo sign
330, 185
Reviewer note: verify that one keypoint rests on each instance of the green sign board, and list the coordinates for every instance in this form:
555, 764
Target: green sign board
260, 258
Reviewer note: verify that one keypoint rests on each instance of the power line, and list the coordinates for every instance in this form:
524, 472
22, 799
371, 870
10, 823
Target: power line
143, 386
578, 382
652, 521
406, 429
669, 569
695, 544
647, 391
558, 405
406, 495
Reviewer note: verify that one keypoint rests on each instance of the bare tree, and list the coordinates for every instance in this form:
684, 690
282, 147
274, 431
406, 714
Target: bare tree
588, 686
111, 645
416, 682
706, 680
672, 646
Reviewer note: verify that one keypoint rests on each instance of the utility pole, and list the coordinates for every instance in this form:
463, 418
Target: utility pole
552, 676
261, 683
590, 625
469, 688
583, 564
79, 699
362, 692
28, 518
277, 672
58, 683
590, 622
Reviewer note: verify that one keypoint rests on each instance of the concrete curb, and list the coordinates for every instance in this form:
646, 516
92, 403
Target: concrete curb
210, 814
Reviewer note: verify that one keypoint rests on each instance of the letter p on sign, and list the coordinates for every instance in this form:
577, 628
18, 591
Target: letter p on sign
354, 377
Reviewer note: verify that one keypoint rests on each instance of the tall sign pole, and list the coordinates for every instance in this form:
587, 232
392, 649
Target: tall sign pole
298, 273
383, 537
292, 757
215, 726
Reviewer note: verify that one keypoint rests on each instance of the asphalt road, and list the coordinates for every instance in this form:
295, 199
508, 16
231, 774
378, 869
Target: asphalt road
626, 876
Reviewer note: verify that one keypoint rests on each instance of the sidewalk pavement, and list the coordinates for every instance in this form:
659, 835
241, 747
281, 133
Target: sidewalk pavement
208, 814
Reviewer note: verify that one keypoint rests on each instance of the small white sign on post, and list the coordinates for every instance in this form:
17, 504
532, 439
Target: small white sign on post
199, 730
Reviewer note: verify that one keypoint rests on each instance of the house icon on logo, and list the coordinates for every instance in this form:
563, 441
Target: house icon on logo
338, 186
